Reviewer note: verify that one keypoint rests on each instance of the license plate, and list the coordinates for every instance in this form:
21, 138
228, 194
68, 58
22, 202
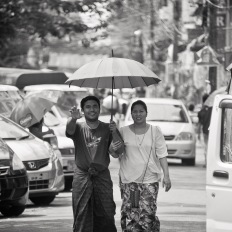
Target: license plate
71, 165
38, 176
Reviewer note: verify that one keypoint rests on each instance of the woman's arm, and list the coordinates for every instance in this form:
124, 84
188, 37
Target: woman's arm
115, 149
166, 180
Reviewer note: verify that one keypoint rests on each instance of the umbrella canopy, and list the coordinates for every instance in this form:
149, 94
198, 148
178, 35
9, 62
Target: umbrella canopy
32, 109
113, 73
210, 100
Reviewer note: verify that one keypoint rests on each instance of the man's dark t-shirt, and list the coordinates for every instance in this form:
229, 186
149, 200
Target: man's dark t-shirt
204, 116
91, 145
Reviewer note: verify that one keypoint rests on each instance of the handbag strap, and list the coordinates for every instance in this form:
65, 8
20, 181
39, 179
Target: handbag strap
149, 154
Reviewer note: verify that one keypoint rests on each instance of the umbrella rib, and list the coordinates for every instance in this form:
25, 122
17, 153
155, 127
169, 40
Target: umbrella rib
97, 83
144, 81
130, 82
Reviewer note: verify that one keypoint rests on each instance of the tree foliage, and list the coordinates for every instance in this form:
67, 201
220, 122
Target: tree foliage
44, 17
25, 21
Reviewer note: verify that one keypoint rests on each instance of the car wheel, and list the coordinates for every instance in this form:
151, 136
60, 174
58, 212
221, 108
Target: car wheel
46, 200
188, 162
12, 210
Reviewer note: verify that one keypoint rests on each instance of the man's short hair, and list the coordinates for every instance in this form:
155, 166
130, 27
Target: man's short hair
85, 99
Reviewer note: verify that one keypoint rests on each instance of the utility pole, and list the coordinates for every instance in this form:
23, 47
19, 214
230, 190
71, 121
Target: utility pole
176, 19
152, 35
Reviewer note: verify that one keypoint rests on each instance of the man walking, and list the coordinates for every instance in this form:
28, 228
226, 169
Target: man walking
204, 116
92, 195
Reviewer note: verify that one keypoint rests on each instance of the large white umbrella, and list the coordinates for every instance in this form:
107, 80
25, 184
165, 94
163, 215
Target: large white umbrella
114, 73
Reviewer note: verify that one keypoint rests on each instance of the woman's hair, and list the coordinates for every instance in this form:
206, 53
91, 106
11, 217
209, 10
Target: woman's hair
88, 98
139, 102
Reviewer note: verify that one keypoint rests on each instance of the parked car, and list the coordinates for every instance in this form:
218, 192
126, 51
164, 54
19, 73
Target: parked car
44, 169
172, 117
13, 182
219, 166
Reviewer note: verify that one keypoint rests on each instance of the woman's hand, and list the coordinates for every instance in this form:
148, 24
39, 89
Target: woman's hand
115, 145
167, 184
75, 113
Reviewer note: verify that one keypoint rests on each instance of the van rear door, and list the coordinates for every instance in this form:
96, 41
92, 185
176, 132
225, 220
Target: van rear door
219, 167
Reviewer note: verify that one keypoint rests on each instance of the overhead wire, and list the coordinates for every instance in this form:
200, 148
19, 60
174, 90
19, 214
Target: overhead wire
218, 6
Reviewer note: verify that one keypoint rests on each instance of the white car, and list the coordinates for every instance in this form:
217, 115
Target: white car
45, 173
172, 117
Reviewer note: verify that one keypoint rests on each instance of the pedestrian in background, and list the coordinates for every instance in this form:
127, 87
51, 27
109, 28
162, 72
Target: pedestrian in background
204, 116
92, 194
140, 172
37, 130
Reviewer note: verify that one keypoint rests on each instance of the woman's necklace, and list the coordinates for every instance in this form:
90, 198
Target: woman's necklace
137, 137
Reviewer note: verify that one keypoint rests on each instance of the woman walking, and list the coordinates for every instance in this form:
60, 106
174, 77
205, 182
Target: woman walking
140, 172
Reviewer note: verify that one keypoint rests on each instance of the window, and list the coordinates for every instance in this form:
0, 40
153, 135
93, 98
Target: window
226, 151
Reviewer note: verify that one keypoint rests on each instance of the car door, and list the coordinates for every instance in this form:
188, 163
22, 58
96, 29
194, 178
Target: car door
219, 167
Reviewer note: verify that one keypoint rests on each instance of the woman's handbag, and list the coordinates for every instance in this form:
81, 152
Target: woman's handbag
134, 197
135, 194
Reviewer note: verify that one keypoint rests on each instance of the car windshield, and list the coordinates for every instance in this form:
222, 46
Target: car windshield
8, 101
166, 113
11, 131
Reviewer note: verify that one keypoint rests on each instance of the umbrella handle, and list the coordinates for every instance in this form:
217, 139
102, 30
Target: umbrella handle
111, 119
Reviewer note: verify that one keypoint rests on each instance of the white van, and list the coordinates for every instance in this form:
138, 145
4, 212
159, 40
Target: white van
219, 166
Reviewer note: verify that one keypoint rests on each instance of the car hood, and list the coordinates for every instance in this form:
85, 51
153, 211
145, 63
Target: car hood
173, 128
29, 149
64, 142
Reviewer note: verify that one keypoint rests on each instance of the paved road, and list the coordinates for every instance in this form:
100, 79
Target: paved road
182, 209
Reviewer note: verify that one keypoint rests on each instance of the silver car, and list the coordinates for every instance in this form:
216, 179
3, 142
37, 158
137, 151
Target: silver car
176, 125
45, 173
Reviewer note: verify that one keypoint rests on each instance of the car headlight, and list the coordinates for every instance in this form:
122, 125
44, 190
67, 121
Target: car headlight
52, 153
17, 163
185, 136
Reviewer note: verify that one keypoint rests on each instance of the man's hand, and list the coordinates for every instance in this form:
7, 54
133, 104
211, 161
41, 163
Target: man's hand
113, 126
75, 113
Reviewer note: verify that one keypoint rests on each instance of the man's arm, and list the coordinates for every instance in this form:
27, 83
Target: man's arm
71, 126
